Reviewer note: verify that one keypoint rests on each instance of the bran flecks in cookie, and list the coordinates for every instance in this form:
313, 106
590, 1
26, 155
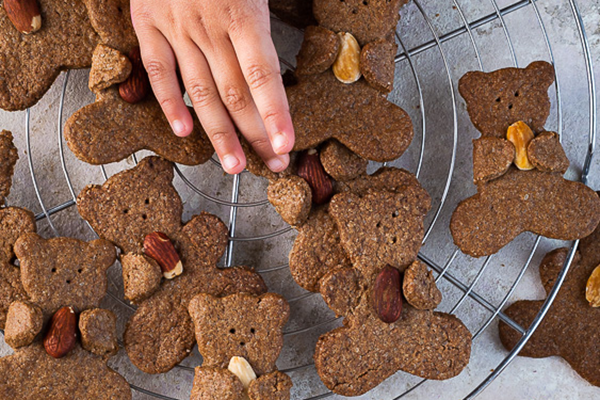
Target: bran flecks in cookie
140, 201
319, 50
496, 100
570, 328
59, 272
8, 158
356, 115
340, 163
29, 64
419, 287
377, 64
291, 196
75, 269
533, 197
109, 67
112, 20
368, 21
111, 129
240, 325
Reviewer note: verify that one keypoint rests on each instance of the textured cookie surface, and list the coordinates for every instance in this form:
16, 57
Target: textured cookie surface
356, 115
498, 99
31, 374
62, 272
291, 196
112, 20
109, 66
377, 64
319, 50
491, 158
211, 380
366, 20
8, 158
14, 222
240, 325
140, 201
419, 287
273, 386
570, 327
546, 153
520, 201
339, 162
29, 64
111, 129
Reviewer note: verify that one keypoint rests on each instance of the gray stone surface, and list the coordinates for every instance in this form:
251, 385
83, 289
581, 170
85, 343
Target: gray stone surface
525, 378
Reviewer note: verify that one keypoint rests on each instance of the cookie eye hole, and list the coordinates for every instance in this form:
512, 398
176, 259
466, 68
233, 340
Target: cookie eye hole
242, 344
252, 331
355, 11
498, 100
365, 2
125, 211
80, 270
378, 225
144, 217
395, 214
394, 240
510, 106
68, 282
232, 331
120, 10
53, 270
517, 93
147, 201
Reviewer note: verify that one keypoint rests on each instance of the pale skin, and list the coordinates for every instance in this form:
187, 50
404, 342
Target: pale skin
230, 70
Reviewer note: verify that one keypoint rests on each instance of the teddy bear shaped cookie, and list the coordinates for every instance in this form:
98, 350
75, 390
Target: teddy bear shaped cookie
353, 39
59, 36
62, 340
239, 337
570, 328
518, 167
165, 262
126, 117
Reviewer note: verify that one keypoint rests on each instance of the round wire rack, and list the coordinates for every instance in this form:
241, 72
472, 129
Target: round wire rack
433, 54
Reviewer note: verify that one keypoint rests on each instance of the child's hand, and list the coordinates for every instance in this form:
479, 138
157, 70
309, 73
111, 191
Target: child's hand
229, 68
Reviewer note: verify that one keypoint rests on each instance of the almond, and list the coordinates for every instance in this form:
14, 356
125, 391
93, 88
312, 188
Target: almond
520, 134
24, 14
312, 171
137, 86
592, 288
241, 368
387, 295
158, 246
62, 333
346, 67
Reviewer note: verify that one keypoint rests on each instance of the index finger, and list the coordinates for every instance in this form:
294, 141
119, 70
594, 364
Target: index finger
260, 66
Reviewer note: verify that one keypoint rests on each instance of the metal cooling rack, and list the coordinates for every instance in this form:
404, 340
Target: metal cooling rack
490, 309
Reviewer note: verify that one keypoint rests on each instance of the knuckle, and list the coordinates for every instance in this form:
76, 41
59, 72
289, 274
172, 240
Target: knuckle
166, 103
201, 93
219, 138
158, 70
260, 144
235, 99
258, 75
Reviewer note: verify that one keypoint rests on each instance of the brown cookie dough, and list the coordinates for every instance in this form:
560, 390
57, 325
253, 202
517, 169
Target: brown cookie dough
368, 21
8, 158
356, 115
340, 290
355, 358
14, 222
210, 380
319, 50
109, 66
110, 130
64, 272
381, 226
419, 287
112, 20
31, 374
547, 154
339, 162
534, 201
140, 201
491, 158
141, 276
316, 250
377, 64
23, 322
570, 328
240, 325
29, 64
273, 386
498, 99
98, 330
292, 198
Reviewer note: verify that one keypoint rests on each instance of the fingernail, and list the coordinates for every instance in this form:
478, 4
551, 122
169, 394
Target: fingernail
278, 164
230, 162
178, 127
280, 141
